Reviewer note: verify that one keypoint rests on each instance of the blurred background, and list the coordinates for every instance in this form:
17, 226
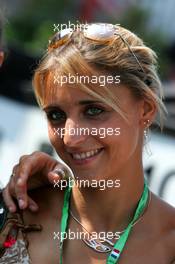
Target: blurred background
28, 26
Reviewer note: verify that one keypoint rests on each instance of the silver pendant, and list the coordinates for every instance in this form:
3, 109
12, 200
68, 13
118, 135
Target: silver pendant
99, 246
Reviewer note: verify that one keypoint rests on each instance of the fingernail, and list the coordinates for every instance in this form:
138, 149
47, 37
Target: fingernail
33, 207
60, 173
21, 203
11, 209
19, 182
55, 175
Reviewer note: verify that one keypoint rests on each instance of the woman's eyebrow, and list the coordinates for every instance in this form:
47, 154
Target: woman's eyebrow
45, 108
82, 102
85, 102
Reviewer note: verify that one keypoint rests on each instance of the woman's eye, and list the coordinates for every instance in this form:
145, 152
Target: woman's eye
93, 111
56, 116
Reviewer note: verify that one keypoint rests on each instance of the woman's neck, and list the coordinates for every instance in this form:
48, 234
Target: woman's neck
110, 209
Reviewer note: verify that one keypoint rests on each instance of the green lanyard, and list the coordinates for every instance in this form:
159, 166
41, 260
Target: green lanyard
119, 245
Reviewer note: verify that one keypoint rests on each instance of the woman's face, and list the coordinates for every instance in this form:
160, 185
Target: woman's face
111, 146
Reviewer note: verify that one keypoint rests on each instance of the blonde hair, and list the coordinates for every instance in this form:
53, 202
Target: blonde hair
84, 56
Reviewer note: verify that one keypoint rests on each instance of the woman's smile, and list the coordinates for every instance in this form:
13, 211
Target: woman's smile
85, 157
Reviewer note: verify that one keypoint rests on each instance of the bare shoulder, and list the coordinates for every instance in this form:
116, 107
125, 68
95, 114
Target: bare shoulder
49, 200
165, 212
163, 216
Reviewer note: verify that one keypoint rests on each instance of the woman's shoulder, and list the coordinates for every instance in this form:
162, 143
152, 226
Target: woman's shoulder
50, 203
48, 197
162, 217
164, 212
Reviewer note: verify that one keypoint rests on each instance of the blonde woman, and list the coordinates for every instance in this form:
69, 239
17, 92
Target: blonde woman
119, 94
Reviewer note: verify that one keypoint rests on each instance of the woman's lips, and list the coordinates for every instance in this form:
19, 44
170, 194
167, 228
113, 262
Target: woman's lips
85, 157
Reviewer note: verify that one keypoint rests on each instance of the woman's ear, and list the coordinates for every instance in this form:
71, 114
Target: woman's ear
1, 57
148, 111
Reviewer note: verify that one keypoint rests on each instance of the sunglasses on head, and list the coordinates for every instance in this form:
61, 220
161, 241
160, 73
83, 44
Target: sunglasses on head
98, 32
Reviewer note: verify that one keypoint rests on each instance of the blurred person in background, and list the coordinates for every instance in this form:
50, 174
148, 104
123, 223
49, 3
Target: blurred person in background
1, 48
132, 207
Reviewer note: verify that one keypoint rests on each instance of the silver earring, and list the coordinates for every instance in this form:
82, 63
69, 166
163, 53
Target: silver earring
146, 130
147, 138
145, 134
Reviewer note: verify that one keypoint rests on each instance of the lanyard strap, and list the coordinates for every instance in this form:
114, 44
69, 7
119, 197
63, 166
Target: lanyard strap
64, 219
119, 245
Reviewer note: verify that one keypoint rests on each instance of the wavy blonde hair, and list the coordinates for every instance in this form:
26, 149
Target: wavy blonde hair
85, 56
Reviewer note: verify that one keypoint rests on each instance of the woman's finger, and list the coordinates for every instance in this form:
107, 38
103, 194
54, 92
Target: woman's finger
32, 205
54, 177
8, 200
60, 172
30, 166
26, 169
21, 193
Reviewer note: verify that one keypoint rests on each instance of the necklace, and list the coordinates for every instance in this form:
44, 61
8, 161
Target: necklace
104, 245
73, 216
101, 245
118, 247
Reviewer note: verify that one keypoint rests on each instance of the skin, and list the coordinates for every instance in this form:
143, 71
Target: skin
1, 57
153, 237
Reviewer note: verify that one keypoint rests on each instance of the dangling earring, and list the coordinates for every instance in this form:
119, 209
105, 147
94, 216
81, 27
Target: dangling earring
147, 138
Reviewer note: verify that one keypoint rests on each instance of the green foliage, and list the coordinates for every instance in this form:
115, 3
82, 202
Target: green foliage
33, 26
137, 20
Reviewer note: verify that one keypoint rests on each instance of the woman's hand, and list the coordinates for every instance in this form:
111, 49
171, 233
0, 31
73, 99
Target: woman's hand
32, 171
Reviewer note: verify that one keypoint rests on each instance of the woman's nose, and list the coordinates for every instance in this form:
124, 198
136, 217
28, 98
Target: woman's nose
74, 134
